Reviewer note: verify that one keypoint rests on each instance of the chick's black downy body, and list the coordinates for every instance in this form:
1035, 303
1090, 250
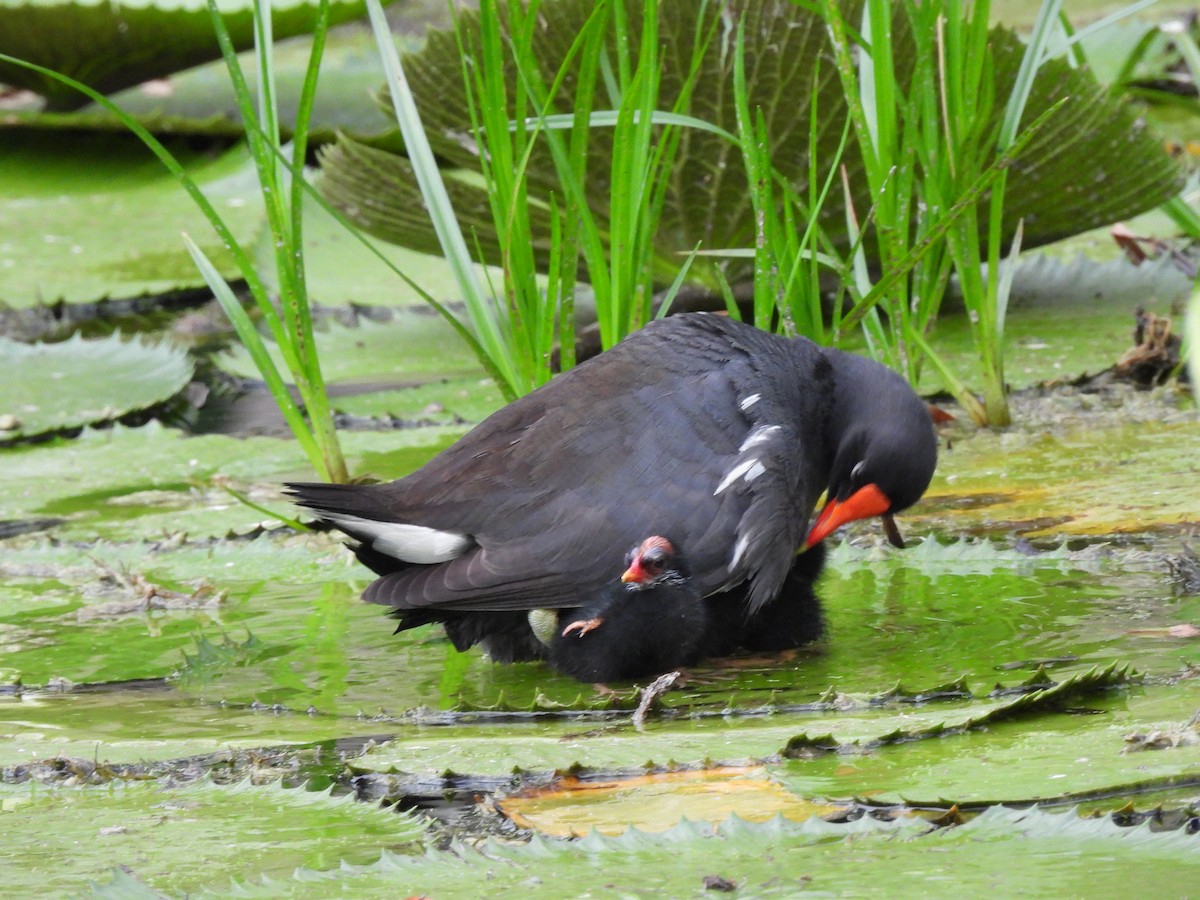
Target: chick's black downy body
651, 621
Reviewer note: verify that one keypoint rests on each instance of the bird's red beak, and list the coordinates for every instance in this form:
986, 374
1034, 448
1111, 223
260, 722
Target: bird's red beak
867, 501
635, 574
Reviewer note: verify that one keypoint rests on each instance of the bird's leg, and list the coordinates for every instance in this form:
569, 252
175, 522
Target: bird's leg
583, 626
893, 533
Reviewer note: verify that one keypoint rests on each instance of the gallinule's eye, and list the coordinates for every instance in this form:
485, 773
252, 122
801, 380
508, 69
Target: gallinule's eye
654, 559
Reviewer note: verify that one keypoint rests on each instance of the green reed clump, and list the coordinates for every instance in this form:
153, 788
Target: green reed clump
931, 148
511, 103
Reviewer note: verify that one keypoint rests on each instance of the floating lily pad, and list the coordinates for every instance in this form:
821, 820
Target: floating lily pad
154, 482
603, 747
109, 46
1066, 758
1067, 319
179, 840
415, 345
454, 400
1063, 755
99, 217
1069, 478
201, 100
1060, 853
162, 731
49, 387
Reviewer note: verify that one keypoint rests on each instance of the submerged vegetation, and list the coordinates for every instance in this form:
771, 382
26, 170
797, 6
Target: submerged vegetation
192, 693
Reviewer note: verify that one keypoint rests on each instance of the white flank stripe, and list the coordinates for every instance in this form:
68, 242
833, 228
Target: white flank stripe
743, 543
749, 401
410, 543
754, 471
759, 435
735, 473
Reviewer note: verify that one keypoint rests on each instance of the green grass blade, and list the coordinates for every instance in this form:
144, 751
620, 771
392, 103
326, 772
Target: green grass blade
954, 385
1008, 269
1124, 12
1035, 53
1184, 215
481, 307
607, 118
300, 132
966, 202
669, 297
257, 349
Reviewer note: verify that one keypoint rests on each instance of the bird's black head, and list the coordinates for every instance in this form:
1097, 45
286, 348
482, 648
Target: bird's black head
653, 562
884, 455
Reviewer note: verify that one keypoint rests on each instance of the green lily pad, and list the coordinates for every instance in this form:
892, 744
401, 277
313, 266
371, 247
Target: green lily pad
1070, 477
602, 747
100, 217
50, 387
201, 100
1068, 754
109, 46
180, 840
1066, 320
415, 345
1062, 760
302, 558
454, 400
1059, 853
165, 731
154, 482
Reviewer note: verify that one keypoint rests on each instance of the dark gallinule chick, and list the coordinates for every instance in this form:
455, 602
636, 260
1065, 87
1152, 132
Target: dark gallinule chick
653, 621
792, 619
724, 435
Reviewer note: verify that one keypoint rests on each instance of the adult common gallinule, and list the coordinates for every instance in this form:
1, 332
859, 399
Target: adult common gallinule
723, 435
651, 622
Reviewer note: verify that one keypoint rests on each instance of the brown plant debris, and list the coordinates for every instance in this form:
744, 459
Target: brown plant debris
1187, 735
138, 594
717, 883
1185, 571
1155, 354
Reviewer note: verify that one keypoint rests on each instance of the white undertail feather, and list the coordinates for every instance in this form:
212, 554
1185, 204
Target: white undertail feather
409, 543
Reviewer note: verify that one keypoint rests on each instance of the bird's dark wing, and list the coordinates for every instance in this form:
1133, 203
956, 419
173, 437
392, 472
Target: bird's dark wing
794, 385
549, 492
